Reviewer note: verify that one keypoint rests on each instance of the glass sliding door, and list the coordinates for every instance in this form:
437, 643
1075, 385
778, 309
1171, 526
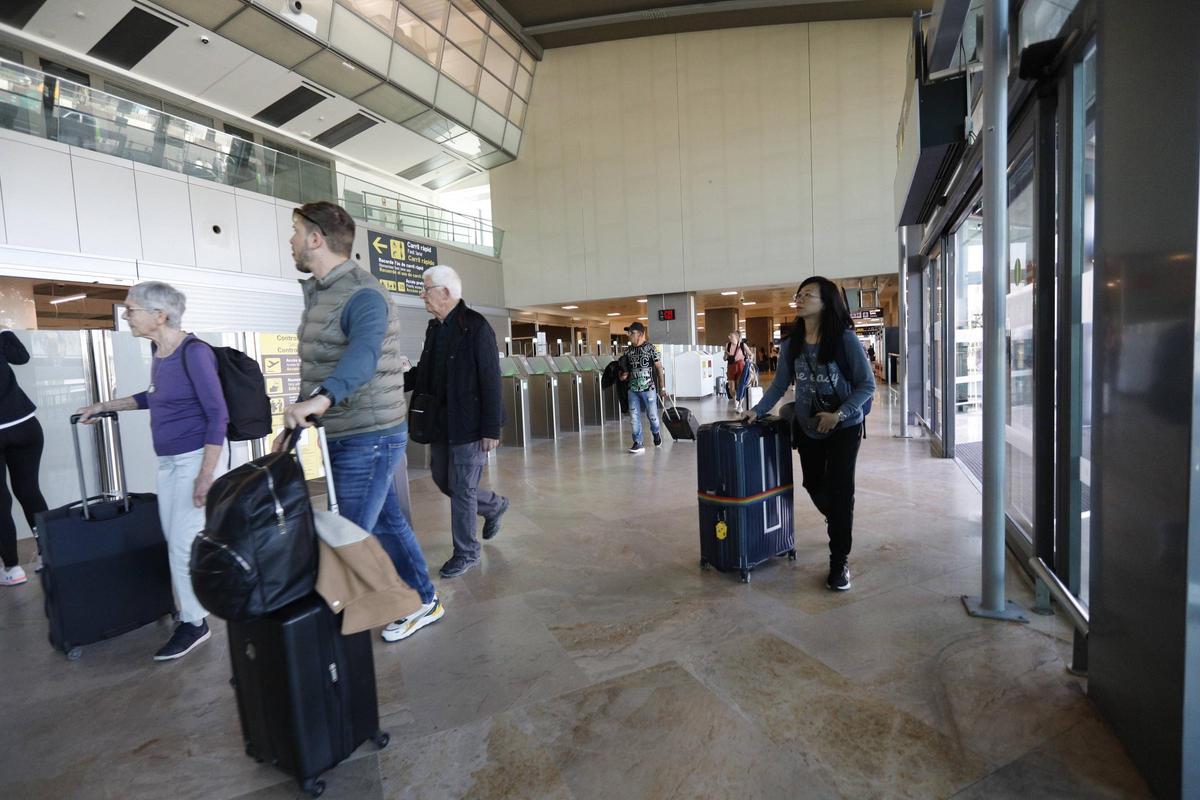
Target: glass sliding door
1019, 329
968, 342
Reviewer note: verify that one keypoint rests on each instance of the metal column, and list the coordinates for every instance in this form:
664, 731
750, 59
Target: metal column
902, 299
992, 603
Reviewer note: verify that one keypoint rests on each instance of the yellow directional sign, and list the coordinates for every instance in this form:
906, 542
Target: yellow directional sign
378, 244
398, 263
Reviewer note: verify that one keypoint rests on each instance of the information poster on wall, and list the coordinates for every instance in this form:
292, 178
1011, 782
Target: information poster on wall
398, 263
279, 357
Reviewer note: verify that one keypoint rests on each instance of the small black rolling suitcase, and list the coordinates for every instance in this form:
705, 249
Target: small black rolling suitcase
680, 422
104, 561
305, 693
745, 492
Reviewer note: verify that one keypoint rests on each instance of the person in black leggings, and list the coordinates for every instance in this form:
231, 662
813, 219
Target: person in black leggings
20, 456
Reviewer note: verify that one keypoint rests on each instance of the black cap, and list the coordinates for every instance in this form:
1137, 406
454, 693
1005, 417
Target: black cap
637, 326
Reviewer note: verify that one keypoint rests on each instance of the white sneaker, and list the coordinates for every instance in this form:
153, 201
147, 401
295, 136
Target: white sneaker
404, 628
13, 576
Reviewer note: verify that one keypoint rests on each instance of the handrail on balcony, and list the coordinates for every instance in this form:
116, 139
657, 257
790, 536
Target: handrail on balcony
48, 107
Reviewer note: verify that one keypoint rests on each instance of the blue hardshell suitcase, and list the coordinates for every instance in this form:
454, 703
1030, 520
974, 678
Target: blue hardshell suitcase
104, 562
744, 476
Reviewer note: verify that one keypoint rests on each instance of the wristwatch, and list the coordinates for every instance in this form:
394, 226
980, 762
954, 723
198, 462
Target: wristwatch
841, 416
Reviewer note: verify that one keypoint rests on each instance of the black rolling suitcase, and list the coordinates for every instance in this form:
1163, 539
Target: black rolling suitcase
680, 422
104, 561
745, 492
305, 693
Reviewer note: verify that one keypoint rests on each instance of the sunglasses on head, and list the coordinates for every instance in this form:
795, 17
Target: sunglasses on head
313, 221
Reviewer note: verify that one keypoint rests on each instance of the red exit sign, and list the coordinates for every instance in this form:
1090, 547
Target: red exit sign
666, 314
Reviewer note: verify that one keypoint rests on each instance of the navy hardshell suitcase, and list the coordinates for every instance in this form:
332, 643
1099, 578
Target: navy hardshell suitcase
745, 493
104, 561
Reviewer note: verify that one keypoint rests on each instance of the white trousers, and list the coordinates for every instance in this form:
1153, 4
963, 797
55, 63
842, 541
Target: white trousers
181, 522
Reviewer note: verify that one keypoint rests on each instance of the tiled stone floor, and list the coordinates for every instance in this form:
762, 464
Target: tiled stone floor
589, 657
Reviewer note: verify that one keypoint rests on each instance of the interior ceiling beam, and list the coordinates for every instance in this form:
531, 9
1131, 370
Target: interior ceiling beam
500, 14
663, 12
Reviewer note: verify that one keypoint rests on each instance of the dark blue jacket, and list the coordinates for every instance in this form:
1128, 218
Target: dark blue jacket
470, 406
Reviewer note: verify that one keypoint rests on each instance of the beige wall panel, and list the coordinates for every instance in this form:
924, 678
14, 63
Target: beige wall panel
856, 108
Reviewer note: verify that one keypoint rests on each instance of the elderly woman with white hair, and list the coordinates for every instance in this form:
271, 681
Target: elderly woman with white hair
188, 418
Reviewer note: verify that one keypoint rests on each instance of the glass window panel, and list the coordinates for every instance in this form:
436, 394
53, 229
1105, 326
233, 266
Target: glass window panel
417, 37
460, 67
477, 14
968, 334
500, 63
507, 42
523, 83
1022, 270
1041, 20
526, 60
1087, 83
516, 112
464, 33
380, 13
432, 11
494, 93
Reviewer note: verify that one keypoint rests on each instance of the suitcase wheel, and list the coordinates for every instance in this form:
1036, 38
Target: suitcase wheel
74, 653
745, 576
791, 555
314, 788
381, 739
703, 564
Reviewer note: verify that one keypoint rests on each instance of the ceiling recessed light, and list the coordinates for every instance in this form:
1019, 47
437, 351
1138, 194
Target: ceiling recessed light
614, 313
645, 318
69, 298
348, 65
791, 305
699, 313
749, 302
569, 308
728, 294
700, 328
643, 300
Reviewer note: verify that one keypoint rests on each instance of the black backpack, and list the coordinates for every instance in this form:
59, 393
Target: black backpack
258, 549
245, 392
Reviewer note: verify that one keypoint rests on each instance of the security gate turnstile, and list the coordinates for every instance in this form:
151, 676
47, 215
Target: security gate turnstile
570, 393
514, 390
543, 397
592, 392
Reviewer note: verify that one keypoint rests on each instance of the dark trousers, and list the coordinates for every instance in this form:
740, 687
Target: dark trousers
457, 470
21, 457
828, 467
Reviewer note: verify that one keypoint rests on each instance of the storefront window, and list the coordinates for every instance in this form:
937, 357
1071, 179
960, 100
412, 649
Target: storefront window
968, 337
1019, 331
1086, 77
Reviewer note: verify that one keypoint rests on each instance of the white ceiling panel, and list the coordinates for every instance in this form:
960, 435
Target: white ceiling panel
389, 147
59, 21
189, 66
321, 117
252, 86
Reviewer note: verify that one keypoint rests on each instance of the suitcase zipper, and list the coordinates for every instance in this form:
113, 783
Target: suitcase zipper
279, 517
236, 557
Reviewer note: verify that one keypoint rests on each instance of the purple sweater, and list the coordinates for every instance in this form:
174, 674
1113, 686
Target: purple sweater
185, 415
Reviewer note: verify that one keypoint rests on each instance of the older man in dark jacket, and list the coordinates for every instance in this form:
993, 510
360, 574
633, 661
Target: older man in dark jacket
460, 368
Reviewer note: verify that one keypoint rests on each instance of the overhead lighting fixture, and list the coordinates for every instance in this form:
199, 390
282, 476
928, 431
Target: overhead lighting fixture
614, 313
643, 300
749, 302
700, 328
569, 308
728, 294
791, 305
699, 313
69, 298
644, 318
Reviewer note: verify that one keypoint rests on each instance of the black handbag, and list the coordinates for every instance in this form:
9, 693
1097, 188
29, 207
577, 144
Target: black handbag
422, 418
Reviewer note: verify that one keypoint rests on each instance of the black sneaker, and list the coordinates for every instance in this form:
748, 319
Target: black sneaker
637, 448
457, 565
839, 576
657, 440
491, 525
183, 640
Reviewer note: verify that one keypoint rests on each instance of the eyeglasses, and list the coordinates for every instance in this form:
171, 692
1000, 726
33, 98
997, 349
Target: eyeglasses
806, 295
321, 228
428, 289
131, 309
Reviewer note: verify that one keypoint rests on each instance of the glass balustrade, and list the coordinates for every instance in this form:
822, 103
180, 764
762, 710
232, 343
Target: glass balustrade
41, 105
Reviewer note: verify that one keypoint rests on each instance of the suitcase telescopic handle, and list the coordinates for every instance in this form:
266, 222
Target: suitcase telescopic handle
323, 445
109, 415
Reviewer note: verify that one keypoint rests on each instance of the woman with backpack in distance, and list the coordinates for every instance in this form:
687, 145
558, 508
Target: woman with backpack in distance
737, 356
834, 382
188, 419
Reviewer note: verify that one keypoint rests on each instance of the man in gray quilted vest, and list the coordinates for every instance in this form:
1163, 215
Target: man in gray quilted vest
352, 377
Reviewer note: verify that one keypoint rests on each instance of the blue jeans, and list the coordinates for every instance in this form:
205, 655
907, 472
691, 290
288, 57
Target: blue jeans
643, 401
364, 476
